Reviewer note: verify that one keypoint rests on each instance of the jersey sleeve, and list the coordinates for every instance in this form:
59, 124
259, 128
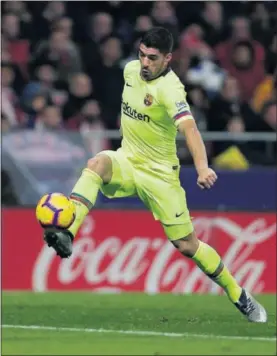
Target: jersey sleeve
129, 68
125, 71
173, 98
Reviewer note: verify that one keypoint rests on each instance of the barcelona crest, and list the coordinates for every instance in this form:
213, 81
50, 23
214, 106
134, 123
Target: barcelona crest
148, 100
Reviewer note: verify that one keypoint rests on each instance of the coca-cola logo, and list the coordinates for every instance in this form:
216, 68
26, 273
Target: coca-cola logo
152, 264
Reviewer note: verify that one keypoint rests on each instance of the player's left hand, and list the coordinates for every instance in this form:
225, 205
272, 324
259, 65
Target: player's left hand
206, 178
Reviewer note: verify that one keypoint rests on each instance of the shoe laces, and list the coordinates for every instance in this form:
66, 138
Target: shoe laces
249, 307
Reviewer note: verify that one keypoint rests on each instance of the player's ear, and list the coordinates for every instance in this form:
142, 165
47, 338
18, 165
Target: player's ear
168, 57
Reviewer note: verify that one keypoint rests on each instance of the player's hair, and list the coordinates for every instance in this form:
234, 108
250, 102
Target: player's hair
159, 38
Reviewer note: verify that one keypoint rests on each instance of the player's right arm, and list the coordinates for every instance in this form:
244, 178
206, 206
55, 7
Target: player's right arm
128, 69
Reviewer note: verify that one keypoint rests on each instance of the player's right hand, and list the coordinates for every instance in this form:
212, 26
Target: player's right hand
61, 241
206, 178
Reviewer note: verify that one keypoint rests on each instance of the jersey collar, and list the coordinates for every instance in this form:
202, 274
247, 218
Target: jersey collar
163, 74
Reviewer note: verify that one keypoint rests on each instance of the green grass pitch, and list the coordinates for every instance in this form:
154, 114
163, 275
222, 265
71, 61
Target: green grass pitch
131, 324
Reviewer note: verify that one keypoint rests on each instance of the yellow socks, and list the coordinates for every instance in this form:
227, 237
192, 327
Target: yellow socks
84, 195
209, 261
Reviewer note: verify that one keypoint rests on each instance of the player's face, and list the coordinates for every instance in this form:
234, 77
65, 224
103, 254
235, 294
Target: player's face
152, 61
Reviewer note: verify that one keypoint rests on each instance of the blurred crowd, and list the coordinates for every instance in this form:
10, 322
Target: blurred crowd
62, 64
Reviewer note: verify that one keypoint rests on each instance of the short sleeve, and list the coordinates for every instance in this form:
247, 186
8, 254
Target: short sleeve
173, 98
125, 72
129, 68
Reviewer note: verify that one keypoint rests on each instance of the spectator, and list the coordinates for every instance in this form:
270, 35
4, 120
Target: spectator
108, 79
33, 101
91, 126
101, 26
269, 117
62, 53
229, 113
54, 10
89, 113
270, 114
212, 22
19, 80
246, 68
11, 27
265, 90
252, 72
262, 25
163, 14
16, 46
199, 105
271, 56
49, 119
5, 124
45, 17
80, 90
5, 54
267, 123
89, 122
19, 9
47, 76
240, 31
64, 25
227, 105
8, 96
204, 71
133, 55
190, 43
143, 24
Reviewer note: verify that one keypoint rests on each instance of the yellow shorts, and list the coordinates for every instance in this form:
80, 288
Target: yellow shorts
161, 192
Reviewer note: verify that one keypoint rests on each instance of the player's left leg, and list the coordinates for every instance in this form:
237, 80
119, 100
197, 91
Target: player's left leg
167, 201
209, 261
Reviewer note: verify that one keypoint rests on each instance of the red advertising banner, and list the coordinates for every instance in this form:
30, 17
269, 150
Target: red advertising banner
127, 251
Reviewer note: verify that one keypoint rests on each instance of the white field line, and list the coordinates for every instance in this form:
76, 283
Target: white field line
138, 333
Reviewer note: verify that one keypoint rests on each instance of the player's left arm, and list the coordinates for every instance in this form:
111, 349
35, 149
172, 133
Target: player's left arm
206, 176
174, 99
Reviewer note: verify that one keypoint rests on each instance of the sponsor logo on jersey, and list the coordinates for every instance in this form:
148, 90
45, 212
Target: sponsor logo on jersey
148, 100
133, 114
180, 105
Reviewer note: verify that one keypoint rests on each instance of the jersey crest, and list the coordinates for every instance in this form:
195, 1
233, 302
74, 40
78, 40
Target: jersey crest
148, 100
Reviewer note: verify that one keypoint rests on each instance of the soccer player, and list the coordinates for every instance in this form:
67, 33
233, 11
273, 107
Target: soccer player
154, 109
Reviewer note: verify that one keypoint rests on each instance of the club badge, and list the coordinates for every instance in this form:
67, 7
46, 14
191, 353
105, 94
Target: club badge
148, 100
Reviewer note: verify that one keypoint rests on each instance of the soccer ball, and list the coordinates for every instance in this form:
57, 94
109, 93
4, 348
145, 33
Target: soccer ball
55, 210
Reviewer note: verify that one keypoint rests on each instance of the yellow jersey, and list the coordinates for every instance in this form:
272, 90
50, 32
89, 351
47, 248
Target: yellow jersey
150, 114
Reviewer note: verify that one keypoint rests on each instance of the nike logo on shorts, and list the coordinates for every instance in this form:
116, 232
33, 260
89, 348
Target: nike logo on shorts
129, 85
178, 215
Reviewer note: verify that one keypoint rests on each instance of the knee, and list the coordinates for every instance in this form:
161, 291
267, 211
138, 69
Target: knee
187, 245
102, 165
94, 163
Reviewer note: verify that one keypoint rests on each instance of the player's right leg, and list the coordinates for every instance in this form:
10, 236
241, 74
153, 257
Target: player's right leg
84, 194
99, 171
108, 171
